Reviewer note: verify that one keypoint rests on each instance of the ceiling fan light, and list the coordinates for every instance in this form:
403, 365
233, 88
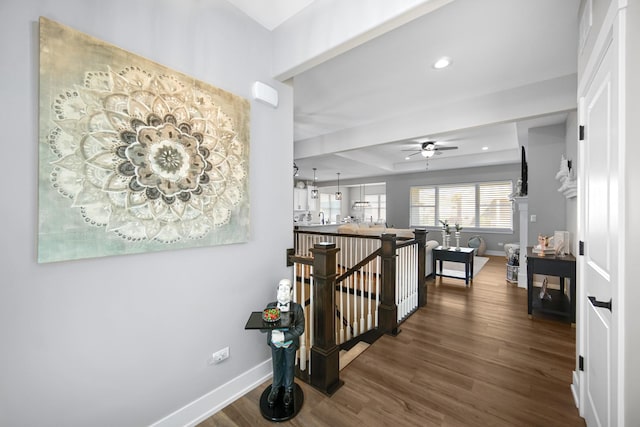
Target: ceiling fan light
441, 63
428, 153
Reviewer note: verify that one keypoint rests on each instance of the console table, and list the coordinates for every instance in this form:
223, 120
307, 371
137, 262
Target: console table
463, 255
563, 267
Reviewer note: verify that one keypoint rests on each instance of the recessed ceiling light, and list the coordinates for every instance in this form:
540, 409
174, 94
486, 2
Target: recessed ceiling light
443, 62
485, 148
407, 158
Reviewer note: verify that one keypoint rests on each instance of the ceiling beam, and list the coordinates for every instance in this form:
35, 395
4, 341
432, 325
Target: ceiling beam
327, 28
525, 102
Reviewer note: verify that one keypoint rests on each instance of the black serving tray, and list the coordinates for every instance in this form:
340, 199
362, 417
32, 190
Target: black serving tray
255, 322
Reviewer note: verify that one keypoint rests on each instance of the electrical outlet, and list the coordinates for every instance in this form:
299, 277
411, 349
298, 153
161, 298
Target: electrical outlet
219, 356
500, 244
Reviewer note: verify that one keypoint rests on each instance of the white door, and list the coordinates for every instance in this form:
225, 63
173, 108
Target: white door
599, 165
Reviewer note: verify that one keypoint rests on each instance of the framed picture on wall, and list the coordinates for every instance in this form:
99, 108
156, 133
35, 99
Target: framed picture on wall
134, 157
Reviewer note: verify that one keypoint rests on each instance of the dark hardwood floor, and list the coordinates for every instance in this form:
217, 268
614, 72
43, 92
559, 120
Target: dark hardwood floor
471, 357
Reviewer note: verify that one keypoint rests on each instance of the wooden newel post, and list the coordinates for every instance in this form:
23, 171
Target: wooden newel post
421, 239
388, 310
325, 363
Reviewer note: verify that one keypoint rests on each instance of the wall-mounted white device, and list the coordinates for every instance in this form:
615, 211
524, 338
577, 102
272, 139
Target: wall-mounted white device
265, 93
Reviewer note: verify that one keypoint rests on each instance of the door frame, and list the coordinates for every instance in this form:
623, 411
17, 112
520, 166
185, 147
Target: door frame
613, 26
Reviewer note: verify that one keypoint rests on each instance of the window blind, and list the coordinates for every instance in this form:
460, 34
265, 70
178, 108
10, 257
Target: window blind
423, 206
457, 204
495, 206
473, 205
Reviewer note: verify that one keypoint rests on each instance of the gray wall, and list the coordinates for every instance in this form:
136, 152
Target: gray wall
398, 198
546, 147
553, 211
124, 340
571, 205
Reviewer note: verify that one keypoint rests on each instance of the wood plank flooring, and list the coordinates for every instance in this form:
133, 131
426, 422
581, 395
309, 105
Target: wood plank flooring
471, 357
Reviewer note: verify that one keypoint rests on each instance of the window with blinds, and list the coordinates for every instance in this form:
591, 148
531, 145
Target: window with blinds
484, 205
423, 206
457, 204
494, 206
329, 205
376, 211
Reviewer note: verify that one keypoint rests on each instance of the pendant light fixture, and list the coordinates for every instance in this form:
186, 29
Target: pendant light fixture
314, 191
362, 203
338, 193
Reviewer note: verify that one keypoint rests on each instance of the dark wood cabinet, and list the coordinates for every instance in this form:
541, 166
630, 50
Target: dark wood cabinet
561, 303
463, 255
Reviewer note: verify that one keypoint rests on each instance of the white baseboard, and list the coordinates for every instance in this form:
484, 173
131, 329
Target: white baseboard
575, 386
212, 402
522, 276
495, 253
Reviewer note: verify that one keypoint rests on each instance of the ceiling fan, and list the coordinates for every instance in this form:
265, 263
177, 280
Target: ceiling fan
429, 149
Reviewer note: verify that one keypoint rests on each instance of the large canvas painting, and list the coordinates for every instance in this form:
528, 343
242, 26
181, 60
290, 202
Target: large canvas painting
134, 157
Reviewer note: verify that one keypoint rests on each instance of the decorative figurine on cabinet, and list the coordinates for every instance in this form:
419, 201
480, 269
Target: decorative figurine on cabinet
544, 293
284, 344
544, 246
543, 241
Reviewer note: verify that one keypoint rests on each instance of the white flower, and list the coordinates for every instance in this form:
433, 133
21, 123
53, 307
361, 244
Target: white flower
146, 156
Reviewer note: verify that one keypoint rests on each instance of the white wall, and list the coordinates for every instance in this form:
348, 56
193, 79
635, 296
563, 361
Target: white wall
124, 340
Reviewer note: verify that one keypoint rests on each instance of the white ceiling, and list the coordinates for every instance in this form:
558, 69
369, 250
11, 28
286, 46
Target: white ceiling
496, 46
271, 13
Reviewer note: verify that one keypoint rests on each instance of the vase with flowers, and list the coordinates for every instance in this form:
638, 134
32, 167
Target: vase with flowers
458, 228
445, 234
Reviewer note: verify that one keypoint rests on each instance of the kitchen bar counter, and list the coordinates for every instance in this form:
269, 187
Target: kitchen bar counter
321, 228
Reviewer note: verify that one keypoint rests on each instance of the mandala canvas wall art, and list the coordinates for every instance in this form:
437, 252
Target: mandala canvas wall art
134, 157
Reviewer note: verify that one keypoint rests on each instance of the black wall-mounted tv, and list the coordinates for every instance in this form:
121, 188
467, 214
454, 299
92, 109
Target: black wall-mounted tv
524, 173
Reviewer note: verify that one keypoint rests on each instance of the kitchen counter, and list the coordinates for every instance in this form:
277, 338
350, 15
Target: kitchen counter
322, 228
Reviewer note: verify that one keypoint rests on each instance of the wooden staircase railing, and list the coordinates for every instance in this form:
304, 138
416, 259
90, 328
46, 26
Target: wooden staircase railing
363, 289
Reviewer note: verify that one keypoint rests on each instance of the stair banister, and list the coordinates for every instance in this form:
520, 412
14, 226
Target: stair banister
421, 238
325, 363
388, 309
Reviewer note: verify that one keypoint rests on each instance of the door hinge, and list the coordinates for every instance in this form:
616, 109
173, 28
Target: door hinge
581, 363
581, 133
581, 248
